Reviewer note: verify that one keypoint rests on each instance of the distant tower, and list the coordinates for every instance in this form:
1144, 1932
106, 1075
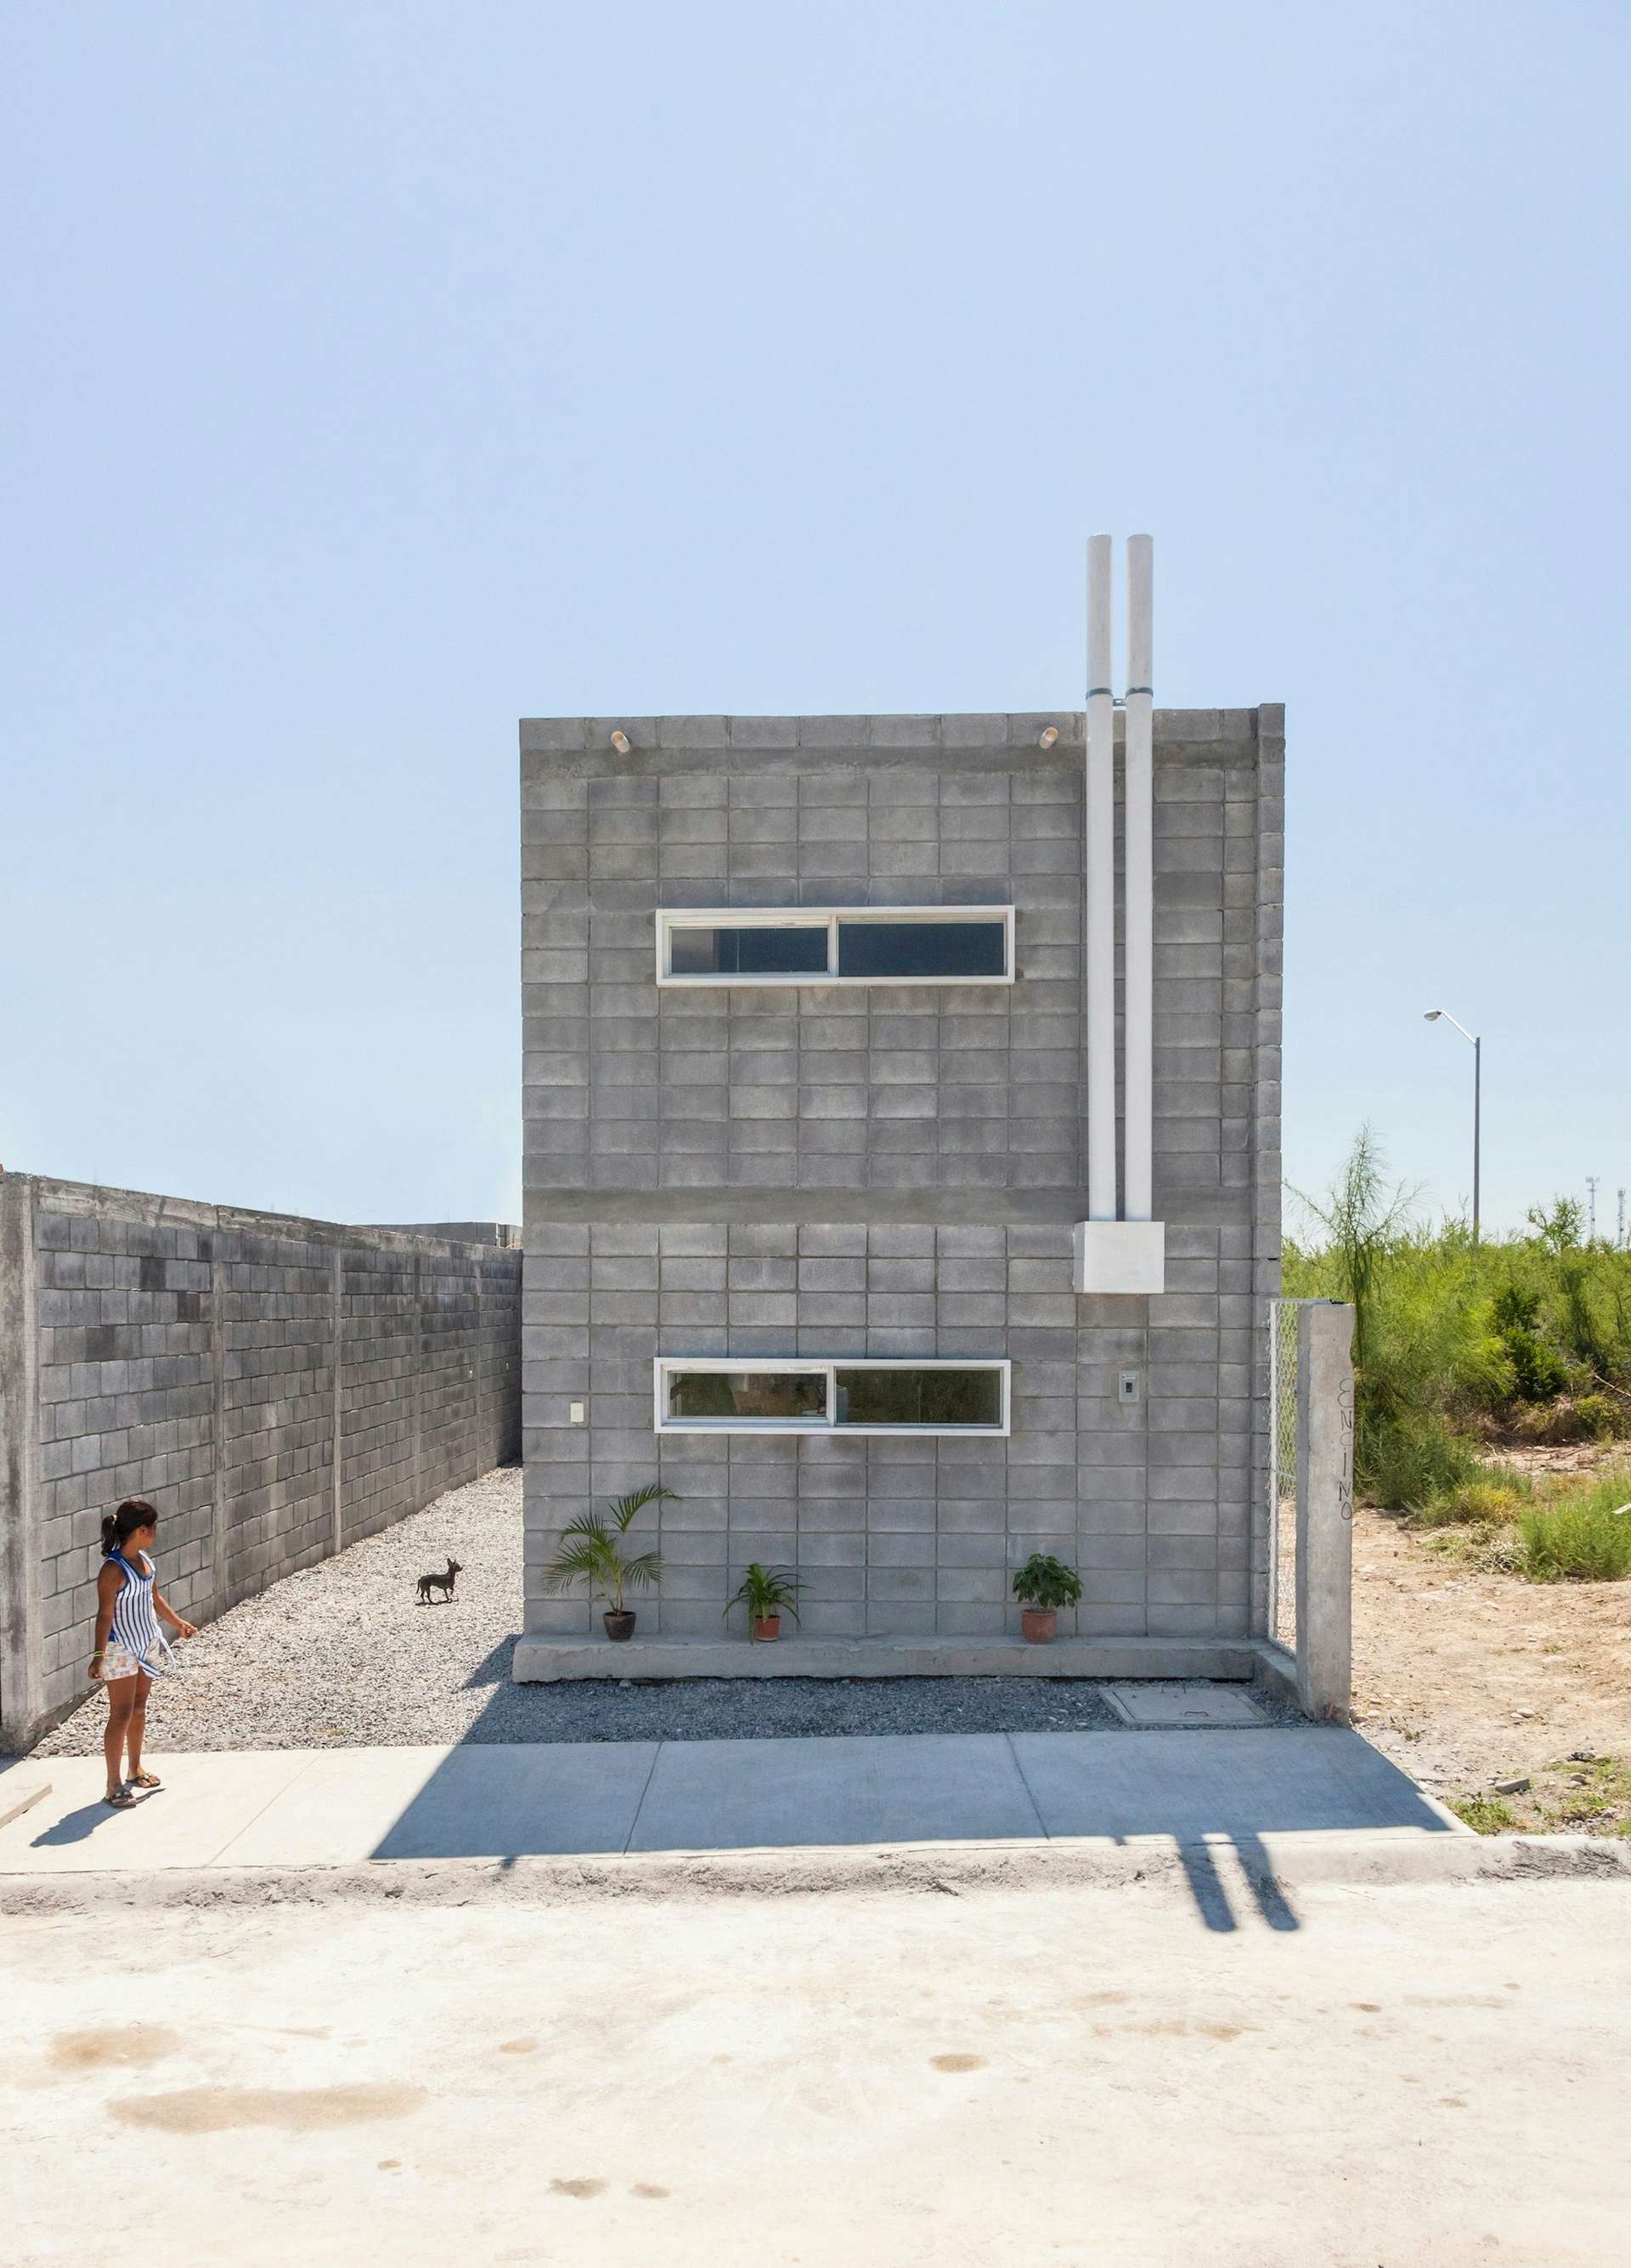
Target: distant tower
1591, 1182
1619, 1224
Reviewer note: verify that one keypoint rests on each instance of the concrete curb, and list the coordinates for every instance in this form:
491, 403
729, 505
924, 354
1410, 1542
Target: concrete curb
1285, 1863
14, 1805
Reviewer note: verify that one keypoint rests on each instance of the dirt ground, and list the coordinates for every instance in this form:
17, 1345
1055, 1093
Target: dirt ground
1467, 1679
1426, 2077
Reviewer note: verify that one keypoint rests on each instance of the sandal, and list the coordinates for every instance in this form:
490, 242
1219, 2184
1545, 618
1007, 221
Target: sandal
143, 1779
120, 1799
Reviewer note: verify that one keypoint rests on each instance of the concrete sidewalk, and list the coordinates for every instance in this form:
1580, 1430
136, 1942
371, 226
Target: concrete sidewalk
342, 1807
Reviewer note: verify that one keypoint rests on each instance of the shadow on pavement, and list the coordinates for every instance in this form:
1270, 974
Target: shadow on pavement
79, 1826
1194, 1790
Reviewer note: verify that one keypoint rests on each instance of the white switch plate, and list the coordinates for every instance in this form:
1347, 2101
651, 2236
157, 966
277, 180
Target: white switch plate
577, 1413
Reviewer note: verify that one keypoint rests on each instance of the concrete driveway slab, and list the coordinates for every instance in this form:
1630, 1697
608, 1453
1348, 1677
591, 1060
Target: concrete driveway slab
205, 1802
349, 1806
1243, 1784
481, 1803
718, 1795
524, 1802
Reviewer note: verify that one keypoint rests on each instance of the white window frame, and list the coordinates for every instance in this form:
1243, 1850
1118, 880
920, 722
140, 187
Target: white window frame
672, 917
664, 1363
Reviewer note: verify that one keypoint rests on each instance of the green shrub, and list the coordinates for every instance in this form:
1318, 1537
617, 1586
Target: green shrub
1411, 1460
1454, 1338
1580, 1536
1487, 1500
1536, 1373
1598, 1418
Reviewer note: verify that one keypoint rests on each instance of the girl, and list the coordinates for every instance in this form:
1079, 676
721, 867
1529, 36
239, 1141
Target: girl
128, 1640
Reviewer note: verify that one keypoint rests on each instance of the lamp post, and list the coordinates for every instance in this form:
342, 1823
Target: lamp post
1432, 1016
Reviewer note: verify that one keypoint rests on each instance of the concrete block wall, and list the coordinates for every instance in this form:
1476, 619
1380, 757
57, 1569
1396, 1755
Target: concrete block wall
380, 1422
276, 1391
188, 1353
895, 1170
917, 1536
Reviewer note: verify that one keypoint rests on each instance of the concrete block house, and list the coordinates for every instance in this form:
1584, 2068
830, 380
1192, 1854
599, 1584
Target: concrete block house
902, 1100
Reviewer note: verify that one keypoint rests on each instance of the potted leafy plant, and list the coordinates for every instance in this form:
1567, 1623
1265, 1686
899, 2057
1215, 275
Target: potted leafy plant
1043, 1585
767, 1593
590, 1551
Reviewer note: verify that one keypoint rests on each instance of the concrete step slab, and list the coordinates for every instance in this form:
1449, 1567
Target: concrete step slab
540, 1661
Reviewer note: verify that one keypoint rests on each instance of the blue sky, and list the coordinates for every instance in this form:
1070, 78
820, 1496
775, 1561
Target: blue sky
377, 374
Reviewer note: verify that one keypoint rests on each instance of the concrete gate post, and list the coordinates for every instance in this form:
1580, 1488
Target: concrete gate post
1325, 1507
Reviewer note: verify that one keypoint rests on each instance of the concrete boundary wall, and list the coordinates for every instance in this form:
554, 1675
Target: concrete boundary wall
278, 1387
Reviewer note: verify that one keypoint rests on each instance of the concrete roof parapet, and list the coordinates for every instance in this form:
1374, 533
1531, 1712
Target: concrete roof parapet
763, 732
905, 731
551, 735
691, 733
640, 732
986, 730
834, 732
1012, 736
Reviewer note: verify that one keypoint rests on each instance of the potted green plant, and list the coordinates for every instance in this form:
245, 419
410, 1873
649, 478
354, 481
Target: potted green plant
1043, 1585
767, 1593
590, 1551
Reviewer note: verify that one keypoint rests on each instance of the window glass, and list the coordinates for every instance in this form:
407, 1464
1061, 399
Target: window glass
798, 951
919, 1398
763, 1393
922, 948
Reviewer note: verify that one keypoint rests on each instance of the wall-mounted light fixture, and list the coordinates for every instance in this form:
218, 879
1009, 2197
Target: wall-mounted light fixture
620, 741
1048, 735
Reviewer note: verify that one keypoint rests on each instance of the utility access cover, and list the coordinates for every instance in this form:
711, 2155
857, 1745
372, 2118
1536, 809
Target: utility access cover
1183, 1704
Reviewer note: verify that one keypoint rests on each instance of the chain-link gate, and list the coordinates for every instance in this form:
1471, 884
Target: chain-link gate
1282, 1471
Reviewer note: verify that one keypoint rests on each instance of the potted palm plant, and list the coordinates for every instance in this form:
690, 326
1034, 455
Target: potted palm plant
767, 1593
591, 1552
1043, 1585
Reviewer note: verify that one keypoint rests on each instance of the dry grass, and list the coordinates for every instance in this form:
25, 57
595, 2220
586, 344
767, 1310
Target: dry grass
1568, 1526
1580, 1794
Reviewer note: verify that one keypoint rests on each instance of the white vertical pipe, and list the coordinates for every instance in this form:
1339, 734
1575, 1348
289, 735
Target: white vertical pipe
1099, 849
1138, 984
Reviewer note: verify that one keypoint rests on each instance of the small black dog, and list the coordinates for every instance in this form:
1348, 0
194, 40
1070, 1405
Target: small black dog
442, 1583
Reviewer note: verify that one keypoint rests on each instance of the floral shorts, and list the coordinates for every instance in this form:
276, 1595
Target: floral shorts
117, 1661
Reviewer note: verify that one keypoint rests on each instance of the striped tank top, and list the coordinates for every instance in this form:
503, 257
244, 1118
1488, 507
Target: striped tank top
135, 1619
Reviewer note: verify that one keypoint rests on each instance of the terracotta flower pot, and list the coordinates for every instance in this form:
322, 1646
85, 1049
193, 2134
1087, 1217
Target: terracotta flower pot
619, 1623
1040, 1624
766, 1627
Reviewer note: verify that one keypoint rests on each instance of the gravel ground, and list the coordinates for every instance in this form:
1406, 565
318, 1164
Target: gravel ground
343, 1656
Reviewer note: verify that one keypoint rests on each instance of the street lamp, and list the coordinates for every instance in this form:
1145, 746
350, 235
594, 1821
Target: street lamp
1432, 1015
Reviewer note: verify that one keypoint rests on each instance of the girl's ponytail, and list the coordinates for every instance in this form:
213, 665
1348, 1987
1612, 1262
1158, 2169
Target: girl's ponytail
119, 1526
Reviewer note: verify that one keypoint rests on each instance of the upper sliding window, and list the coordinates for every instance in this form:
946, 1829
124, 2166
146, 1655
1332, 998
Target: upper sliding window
882, 944
703, 950
712, 1394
